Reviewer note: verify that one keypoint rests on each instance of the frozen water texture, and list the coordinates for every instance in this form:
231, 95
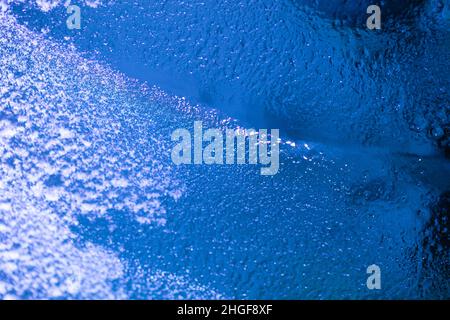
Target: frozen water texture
266, 60
62, 157
86, 176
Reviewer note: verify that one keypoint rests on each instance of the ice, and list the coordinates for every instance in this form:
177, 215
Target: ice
58, 162
91, 201
278, 63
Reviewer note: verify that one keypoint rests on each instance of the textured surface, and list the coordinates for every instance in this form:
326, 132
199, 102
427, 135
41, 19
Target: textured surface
259, 59
92, 207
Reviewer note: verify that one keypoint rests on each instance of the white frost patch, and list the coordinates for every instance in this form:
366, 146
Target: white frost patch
7, 130
66, 134
52, 195
38, 258
5, 206
119, 183
48, 5
51, 171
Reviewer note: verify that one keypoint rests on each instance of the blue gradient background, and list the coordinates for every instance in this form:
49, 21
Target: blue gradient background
364, 173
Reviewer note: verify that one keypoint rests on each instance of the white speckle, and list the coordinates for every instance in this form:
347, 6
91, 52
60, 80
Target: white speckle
52, 195
119, 183
5, 206
65, 133
2, 287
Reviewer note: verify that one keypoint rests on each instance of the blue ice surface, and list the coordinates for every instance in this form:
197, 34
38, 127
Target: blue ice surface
364, 184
